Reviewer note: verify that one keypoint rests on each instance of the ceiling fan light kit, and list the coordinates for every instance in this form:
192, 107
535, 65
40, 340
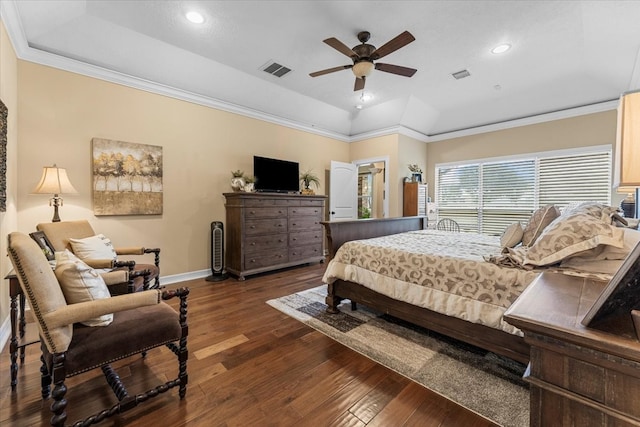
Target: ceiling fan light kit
364, 55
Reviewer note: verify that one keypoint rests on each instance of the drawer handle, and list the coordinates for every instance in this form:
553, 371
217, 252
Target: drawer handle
295, 253
280, 240
252, 227
294, 239
252, 212
253, 243
294, 224
253, 260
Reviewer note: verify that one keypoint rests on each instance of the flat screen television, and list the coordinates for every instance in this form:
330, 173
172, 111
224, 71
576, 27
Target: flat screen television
276, 176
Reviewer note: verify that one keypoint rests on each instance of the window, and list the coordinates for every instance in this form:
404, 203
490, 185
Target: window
487, 196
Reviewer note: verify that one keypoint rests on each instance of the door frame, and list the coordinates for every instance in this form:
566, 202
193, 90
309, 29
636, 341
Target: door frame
385, 160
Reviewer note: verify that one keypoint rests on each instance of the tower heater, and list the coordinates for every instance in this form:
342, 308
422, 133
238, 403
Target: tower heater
217, 253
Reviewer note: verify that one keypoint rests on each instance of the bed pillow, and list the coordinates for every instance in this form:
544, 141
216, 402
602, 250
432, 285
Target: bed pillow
570, 236
80, 283
538, 222
511, 236
93, 248
595, 209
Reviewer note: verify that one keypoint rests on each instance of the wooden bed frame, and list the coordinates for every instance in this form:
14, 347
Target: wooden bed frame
491, 339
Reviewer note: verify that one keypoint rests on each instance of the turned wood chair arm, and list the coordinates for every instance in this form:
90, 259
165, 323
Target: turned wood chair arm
181, 293
140, 250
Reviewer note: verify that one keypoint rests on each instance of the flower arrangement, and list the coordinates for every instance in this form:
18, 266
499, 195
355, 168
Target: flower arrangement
237, 173
415, 168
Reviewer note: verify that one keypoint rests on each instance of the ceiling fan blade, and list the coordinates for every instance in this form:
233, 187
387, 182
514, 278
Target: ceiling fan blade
396, 69
330, 70
341, 47
359, 85
393, 45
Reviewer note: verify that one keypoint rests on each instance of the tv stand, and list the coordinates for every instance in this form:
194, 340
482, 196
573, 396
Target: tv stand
269, 231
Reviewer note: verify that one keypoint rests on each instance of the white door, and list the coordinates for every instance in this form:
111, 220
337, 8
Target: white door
343, 191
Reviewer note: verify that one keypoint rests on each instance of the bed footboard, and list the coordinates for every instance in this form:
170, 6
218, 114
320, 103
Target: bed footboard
339, 232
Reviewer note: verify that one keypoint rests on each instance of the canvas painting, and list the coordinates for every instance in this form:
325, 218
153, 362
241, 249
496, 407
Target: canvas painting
127, 178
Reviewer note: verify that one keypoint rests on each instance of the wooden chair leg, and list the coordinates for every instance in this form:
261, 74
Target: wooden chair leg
59, 390
45, 379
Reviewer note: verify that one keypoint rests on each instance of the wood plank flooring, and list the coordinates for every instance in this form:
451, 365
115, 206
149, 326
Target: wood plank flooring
249, 365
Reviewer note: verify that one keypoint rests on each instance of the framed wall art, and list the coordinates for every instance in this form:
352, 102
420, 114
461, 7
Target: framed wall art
127, 178
45, 245
3, 157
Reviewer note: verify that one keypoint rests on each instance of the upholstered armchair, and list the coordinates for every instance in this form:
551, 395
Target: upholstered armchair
73, 234
123, 325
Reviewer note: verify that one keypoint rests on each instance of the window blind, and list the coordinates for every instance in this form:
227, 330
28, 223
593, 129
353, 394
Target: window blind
486, 197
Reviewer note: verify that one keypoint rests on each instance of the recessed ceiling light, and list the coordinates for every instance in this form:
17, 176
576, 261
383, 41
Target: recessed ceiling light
365, 97
195, 17
501, 48
358, 107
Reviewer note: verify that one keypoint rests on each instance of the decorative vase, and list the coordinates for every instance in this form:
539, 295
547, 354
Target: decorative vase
248, 187
237, 183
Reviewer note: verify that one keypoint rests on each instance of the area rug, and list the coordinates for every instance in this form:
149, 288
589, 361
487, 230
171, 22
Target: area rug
483, 382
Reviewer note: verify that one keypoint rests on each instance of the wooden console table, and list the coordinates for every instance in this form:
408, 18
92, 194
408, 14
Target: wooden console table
20, 335
579, 376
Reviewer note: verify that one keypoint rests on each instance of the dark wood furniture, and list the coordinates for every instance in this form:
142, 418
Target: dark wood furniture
494, 340
414, 202
268, 231
579, 375
21, 335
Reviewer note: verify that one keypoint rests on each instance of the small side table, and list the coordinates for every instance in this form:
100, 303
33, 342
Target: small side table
20, 337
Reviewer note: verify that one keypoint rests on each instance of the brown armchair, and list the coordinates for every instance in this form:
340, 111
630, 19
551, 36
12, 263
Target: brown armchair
140, 274
141, 321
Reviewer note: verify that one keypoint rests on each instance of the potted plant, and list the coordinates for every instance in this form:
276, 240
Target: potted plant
237, 180
249, 183
307, 178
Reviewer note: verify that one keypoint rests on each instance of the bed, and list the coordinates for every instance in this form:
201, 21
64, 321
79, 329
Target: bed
388, 271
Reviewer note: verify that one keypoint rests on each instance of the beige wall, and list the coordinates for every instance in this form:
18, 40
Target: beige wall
583, 131
59, 114
8, 219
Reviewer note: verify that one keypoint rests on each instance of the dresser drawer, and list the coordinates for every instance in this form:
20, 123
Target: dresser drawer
302, 252
265, 226
265, 259
265, 242
305, 238
314, 212
304, 224
264, 212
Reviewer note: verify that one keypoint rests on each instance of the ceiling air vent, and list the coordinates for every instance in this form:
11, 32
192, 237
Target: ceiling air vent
276, 69
461, 74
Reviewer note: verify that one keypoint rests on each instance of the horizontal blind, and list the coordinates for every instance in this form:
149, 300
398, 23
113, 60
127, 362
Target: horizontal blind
487, 197
508, 194
458, 195
579, 178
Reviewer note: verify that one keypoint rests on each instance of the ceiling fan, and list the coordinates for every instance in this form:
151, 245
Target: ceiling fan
364, 54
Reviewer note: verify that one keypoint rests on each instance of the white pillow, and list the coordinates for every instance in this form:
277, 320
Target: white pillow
80, 283
93, 248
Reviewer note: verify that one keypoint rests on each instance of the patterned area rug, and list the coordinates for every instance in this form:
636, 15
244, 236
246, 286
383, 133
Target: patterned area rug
483, 382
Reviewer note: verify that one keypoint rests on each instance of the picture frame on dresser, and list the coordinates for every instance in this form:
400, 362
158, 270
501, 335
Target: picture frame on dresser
619, 297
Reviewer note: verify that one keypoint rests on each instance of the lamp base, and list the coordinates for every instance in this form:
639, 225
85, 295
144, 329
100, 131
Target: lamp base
628, 208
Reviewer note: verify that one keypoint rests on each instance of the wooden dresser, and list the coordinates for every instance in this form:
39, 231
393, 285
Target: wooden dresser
267, 231
414, 202
579, 376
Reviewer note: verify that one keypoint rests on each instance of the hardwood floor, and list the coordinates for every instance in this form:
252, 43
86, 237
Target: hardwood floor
249, 365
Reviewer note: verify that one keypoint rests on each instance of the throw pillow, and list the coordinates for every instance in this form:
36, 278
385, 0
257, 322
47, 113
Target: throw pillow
570, 236
538, 222
80, 283
511, 236
94, 247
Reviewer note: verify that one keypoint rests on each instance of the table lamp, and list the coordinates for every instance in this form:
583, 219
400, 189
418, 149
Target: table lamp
54, 181
627, 154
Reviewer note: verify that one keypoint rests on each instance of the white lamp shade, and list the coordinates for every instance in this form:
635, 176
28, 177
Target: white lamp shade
362, 69
54, 180
627, 155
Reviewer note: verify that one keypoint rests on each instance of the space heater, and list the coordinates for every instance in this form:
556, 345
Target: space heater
217, 253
